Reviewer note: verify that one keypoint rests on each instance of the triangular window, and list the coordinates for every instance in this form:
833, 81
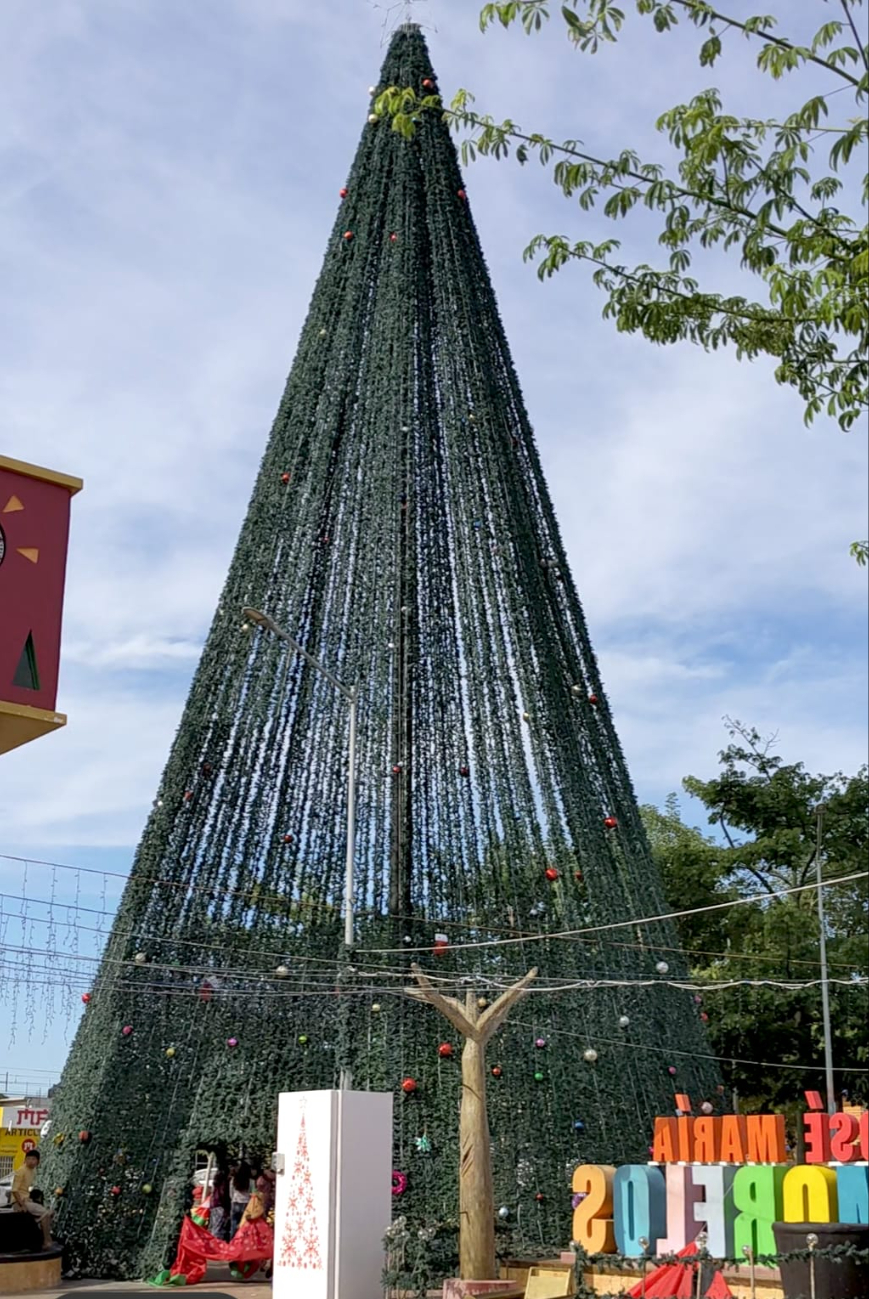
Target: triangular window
27, 673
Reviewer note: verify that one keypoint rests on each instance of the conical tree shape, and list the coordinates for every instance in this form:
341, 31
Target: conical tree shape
401, 530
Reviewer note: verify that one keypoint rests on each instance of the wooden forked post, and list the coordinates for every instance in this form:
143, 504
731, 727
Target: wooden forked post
476, 1191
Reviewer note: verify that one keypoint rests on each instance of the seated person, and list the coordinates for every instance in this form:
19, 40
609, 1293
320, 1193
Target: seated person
24, 1202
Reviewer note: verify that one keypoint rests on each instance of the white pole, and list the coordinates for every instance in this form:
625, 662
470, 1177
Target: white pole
825, 988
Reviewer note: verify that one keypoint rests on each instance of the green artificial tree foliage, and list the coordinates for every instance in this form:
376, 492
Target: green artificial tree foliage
400, 529
770, 1040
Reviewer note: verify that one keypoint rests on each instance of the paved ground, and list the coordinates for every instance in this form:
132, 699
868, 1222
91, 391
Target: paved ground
107, 1289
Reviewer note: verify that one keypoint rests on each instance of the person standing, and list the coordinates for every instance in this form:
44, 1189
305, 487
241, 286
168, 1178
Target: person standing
265, 1184
240, 1188
219, 1221
22, 1201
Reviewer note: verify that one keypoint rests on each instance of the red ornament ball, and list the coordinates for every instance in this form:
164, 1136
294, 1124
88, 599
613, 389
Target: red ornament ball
285, 478
188, 794
393, 237
396, 770
577, 875
464, 771
86, 996
348, 235
427, 83
540, 1197
610, 822
127, 1030
496, 1071
409, 1086
593, 700
704, 1018
343, 191
116, 1190
551, 874
445, 1050
462, 194
84, 1136
288, 838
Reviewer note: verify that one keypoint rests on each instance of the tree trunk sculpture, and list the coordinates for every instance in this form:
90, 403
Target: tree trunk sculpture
476, 1192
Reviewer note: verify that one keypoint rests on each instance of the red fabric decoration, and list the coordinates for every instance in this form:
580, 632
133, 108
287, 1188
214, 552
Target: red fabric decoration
610, 822
188, 794
551, 874
677, 1281
251, 1246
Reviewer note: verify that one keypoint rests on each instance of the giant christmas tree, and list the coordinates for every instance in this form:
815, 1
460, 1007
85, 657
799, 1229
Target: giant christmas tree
401, 529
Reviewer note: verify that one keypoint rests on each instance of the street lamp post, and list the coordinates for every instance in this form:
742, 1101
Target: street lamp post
349, 693
825, 988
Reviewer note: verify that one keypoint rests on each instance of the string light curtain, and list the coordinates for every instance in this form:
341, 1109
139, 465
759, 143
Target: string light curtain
401, 530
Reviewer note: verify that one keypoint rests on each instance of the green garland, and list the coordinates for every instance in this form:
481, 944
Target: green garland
401, 529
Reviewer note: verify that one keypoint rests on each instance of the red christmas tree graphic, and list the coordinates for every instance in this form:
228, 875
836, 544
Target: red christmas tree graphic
300, 1244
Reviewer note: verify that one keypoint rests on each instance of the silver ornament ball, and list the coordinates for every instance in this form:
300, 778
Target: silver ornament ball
624, 1021
590, 1055
662, 967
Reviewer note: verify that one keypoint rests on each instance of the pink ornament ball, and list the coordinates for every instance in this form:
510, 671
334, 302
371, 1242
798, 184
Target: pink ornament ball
127, 1030
671, 1070
232, 1041
540, 1043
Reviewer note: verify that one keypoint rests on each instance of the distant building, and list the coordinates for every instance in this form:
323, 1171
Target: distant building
20, 1128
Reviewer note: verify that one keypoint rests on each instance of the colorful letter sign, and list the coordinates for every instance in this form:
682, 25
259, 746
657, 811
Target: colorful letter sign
34, 528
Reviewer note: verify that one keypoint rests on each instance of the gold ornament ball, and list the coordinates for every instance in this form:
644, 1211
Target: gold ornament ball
170, 1052
482, 1003
375, 1009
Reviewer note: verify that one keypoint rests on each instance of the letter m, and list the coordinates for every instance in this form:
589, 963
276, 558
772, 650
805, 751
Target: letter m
766, 1139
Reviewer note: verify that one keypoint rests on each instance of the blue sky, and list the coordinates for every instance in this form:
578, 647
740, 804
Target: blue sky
169, 172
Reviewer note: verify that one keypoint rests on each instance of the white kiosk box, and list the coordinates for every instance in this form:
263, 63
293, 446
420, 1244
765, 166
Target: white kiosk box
333, 1198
